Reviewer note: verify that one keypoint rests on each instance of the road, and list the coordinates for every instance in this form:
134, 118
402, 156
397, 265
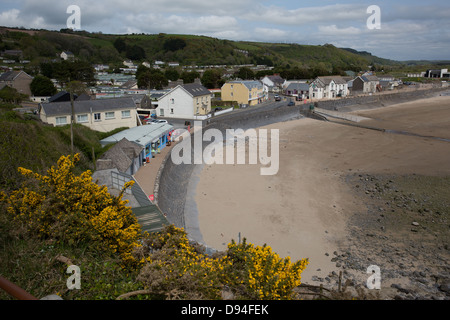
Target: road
265, 106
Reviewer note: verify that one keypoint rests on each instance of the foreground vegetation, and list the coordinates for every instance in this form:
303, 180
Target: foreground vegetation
62, 214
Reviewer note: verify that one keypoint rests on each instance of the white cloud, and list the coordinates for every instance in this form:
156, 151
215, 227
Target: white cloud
308, 15
270, 34
335, 31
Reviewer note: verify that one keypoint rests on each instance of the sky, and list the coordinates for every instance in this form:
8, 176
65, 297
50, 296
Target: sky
406, 29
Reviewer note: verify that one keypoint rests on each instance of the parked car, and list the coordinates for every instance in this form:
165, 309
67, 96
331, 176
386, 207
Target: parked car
291, 103
218, 109
154, 121
277, 98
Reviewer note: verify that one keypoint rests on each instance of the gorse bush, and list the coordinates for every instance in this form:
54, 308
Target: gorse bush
176, 268
72, 209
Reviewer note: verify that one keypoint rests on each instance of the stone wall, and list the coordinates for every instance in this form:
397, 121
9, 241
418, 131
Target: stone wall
378, 100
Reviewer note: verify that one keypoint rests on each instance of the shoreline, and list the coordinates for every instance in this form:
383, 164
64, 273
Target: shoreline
258, 202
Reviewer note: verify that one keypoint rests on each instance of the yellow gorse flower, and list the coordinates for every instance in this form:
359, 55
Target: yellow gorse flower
72, 208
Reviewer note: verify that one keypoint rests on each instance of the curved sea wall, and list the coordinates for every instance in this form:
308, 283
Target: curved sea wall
378, 100
172, 182
173, 179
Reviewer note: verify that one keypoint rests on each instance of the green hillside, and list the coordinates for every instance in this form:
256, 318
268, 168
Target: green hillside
27, 142
38, 45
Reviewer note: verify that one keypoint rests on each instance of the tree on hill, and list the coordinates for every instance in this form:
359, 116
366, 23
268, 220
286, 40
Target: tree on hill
189, 76
245, 73
120, 45
135, 52
172, 74
11, 95
151, 78
42, 86
211, 78
174, 44
67, 71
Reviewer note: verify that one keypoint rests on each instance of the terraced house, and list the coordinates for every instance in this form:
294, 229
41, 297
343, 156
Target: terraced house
244, 92
328, 87
101, 115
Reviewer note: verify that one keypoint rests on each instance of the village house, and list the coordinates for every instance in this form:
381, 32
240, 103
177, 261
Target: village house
67, 55
185, 101
247, 92
101, 115
274, 83
328, 87
18, 80
365, 84
297, 89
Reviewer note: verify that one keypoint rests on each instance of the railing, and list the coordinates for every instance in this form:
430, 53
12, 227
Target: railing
15, 290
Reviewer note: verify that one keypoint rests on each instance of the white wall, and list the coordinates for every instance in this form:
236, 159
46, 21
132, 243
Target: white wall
102, 125
178, 100
183, 105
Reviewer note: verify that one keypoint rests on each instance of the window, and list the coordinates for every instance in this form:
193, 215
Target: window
161, 112
109, 115
171, 111
172, 101
126, 114
82, 118
97, 117
60, 121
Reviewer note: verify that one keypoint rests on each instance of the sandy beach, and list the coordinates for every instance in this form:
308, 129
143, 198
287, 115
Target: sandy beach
303, 211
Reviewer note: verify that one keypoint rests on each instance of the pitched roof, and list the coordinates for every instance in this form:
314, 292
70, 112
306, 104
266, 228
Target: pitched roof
327, 79
369, 78
250, 84
298, 86
195, 89
122, 154
276, 79
12, 75
129, 84
61, 96
86, 106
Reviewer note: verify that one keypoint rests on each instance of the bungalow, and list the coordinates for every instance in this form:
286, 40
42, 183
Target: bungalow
185, 101
101, 115
328, 87
244, 92
365, 84
18, 80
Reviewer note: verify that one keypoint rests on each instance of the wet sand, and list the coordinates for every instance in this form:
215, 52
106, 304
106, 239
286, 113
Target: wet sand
303, 210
